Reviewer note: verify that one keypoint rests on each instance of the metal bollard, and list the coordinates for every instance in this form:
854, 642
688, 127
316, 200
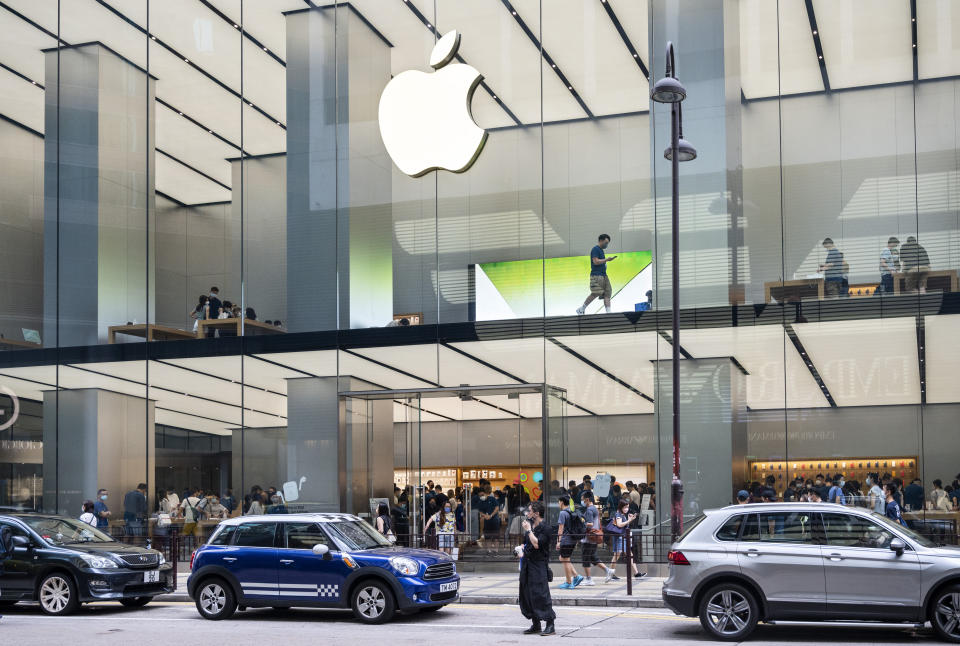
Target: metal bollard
629, 541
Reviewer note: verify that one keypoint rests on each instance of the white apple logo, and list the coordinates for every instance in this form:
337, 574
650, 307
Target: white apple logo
425, 119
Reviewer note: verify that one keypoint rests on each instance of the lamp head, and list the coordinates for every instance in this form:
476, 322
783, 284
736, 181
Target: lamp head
686, 151
668, 90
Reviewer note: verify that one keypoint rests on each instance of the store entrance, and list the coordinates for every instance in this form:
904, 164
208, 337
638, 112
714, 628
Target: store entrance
482, 451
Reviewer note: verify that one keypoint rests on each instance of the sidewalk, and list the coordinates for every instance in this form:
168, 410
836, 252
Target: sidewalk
504, 589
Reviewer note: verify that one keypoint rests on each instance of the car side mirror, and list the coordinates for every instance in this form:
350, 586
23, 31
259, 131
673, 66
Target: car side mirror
898, 546
321, 550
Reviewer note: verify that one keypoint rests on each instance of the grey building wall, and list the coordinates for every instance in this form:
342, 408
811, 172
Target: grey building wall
95, 439
99, 194
21, 230
193, 254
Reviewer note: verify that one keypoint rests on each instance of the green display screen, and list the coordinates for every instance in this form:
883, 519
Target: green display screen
557, 286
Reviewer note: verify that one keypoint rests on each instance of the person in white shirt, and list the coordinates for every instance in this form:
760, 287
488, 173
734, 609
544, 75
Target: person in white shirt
170, 502
877, 499
88, 516
191, 511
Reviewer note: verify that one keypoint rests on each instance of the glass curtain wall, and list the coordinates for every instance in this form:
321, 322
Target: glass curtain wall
207, 238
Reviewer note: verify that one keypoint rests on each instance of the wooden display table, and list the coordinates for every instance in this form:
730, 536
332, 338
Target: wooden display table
150, 332
793, 291
14, 344
940, 280
234, 325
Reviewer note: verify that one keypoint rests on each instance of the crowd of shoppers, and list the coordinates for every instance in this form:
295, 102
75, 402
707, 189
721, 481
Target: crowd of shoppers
871, 494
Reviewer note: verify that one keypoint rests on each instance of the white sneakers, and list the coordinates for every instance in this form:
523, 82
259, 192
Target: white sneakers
581, 310
609, 576
588, 581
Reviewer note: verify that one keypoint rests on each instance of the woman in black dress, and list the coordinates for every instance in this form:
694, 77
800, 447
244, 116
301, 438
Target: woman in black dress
535, 602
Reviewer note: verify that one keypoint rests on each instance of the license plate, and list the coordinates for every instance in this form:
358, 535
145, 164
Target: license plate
447, 587
152, 576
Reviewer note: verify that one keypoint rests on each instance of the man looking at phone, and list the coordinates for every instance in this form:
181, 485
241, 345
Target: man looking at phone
599, 283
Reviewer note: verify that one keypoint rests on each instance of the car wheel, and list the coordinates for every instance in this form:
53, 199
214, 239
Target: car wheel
135, 602
58, 594
215, 600
372, 602
945, 614
728, 611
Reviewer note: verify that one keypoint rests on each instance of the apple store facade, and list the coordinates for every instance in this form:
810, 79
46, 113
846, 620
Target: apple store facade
344, 249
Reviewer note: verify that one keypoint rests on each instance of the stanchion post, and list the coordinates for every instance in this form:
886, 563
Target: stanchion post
629, 561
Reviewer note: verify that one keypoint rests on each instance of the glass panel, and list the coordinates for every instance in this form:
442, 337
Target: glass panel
556, 450
787, 527
255, 535
303, 536
845, 530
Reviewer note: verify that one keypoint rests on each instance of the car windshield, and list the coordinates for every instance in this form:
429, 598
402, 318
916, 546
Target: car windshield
357, 535
922, 540
65, 531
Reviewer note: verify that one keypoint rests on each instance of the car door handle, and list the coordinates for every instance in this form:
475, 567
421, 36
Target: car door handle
286, 561
752, 553
835, 557
231, 559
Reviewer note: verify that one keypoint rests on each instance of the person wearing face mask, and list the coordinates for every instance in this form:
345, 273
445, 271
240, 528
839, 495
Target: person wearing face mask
214, 509
822, 486
836, 494
445, 522
535, 602
101, 510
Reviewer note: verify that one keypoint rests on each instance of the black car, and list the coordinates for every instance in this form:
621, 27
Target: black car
63, 562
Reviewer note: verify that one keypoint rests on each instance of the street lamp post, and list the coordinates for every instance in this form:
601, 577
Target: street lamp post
670, 90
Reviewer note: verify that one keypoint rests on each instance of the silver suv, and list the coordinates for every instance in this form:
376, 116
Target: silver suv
742, 564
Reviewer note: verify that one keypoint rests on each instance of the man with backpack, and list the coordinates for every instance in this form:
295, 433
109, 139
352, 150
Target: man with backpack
593, 536
570, 528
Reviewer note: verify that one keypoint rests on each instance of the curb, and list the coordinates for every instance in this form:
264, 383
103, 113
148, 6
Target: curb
608, 602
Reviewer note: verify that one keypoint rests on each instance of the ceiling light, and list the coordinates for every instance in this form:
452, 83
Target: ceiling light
186, 60
514, 13
34, 82
554, 66
814, 32
570, 87
636, 55
914, 45
180, 113
250, 104
210, 131
153, 37
264, 49
235, 26
820, 57
278, 123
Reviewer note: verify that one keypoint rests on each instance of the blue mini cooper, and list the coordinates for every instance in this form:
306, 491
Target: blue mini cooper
317, 560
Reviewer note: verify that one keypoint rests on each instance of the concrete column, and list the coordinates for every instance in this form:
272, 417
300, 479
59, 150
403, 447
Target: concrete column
95, 439
339, 212
705, 34
98, 260
713, 433
343, 449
